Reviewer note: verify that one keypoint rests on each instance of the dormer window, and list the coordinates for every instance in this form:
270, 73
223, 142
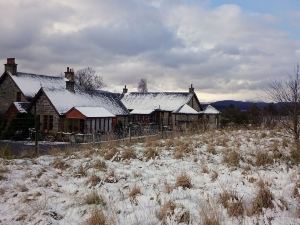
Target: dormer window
19, 96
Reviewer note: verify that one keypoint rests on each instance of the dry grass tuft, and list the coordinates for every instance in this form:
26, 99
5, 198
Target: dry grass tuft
151, 153
166, 210
94, 198
232, 203
109, 152
168, 188
214, 175
94, 180
59, 163
210, 215
134, 192
97, 217
22, 187
100, 165
81, 171
231, 158
262, 159
204, 169
296, 190
183, 181
128, 153
211, 149
263, 199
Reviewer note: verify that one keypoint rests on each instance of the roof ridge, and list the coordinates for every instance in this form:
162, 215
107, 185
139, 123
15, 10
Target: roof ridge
40, 75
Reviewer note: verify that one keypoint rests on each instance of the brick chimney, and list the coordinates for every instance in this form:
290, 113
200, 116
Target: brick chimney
125, 90
191, 89
11, 66
70, 80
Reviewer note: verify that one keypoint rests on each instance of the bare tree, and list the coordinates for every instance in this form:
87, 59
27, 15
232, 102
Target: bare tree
142, 86
288, 94
88, 79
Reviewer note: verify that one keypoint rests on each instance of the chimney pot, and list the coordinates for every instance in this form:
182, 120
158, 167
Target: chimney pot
191, 89
125, 90
11, 66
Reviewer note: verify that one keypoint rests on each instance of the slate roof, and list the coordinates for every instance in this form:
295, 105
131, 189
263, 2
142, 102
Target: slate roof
63, 100
186, 109
165, 101
30, 84
210, 110
22, 107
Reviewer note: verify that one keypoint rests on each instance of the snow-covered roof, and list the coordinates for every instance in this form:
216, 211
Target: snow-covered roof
94, 112
30, 84
63, 100
142, 111
186, 109
21, 106
210, 110
166, 101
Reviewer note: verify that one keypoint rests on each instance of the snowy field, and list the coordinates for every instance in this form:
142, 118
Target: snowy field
220, 177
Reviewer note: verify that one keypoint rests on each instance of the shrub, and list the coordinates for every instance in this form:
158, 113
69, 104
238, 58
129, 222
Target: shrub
263, 198
183, 181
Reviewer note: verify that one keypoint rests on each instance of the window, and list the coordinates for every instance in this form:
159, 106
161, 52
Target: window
19, 96
50, 122
47, 122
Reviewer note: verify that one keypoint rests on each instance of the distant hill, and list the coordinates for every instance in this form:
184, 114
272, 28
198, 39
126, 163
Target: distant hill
243, 106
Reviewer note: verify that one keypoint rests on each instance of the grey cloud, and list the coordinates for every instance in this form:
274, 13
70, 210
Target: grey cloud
171, 43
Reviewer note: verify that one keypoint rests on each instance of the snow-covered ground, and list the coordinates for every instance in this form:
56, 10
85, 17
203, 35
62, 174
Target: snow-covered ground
141, 184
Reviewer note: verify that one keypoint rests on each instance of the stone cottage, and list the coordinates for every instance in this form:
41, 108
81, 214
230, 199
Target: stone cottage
169, 109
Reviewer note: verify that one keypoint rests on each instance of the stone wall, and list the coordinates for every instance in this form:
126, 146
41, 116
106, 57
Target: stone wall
44, 107
194, 104
8, 94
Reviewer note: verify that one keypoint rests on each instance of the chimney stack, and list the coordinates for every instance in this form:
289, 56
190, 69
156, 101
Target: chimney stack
125, 90
191, 89
70, 80
11, 66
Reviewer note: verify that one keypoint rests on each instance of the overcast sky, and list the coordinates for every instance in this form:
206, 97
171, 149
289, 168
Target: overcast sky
227, 49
